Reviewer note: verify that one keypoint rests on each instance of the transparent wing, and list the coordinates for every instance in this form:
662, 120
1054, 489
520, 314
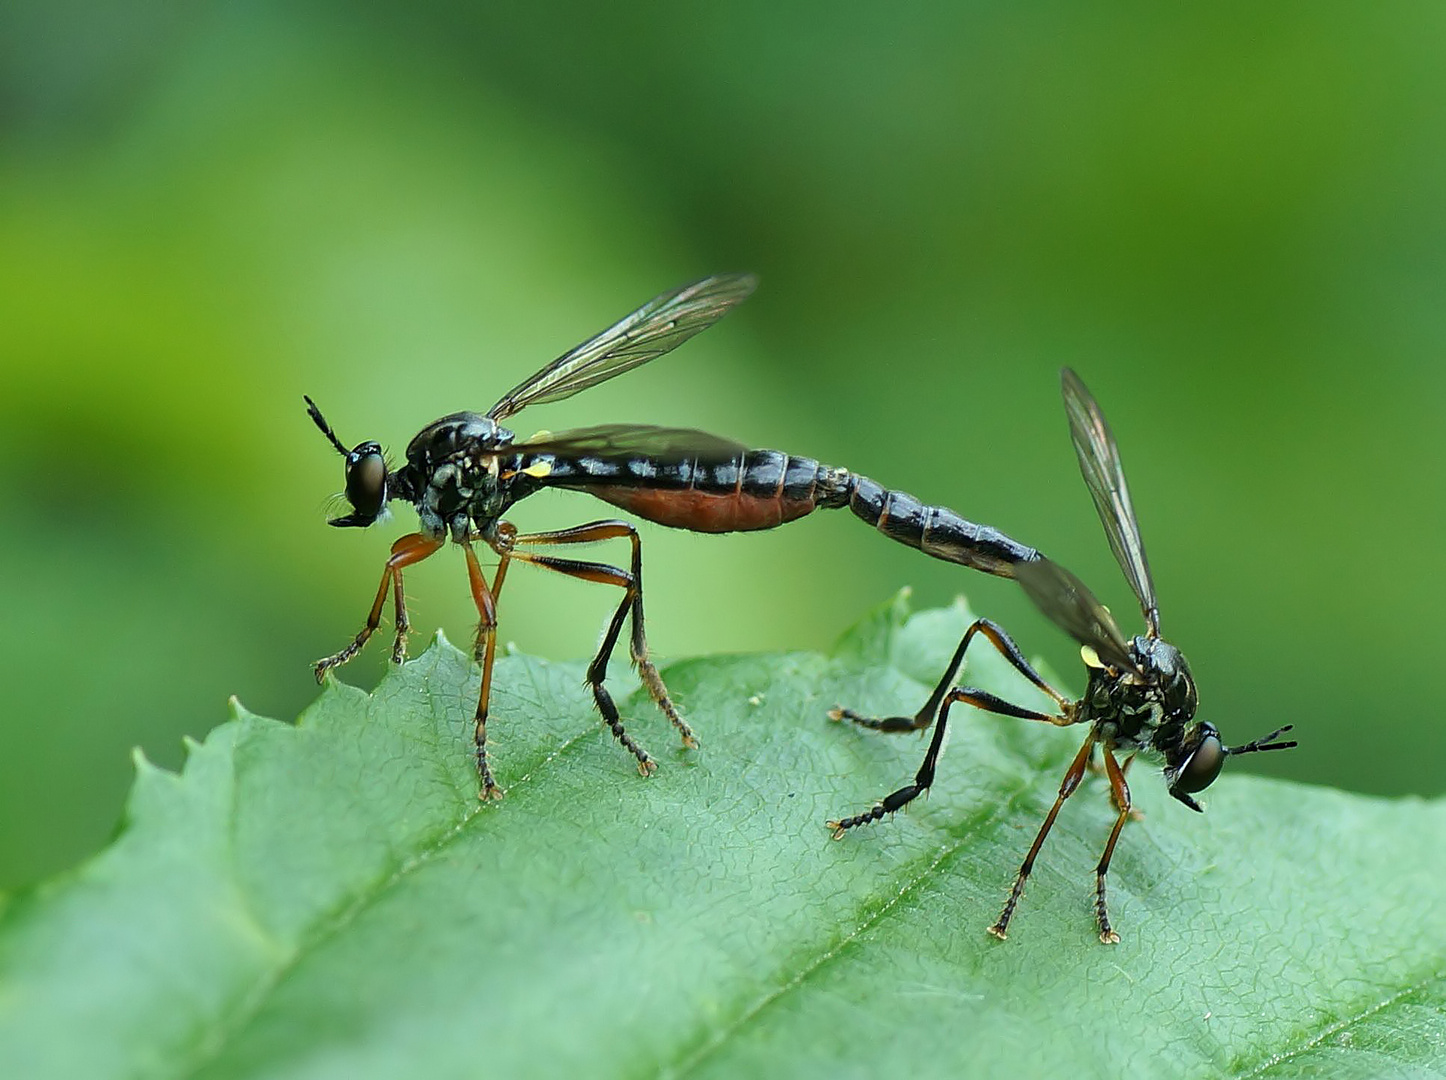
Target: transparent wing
1069, 604
633, 440
1099, 461
660, 325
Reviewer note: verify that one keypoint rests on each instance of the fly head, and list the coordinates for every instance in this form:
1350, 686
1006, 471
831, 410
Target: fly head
368, 479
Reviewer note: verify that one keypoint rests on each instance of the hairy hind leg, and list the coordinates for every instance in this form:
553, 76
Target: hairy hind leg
638, 643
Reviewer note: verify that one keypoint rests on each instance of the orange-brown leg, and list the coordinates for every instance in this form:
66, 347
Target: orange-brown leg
1135, 815
484, 651
1120, 793
412, 548
1066, 789
638, 644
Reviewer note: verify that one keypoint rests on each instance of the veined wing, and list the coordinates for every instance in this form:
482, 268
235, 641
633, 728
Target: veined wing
659, 326
663, 444
1104, 475
1069, 604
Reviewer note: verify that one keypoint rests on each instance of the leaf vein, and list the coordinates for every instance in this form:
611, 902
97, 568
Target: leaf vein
691, 1062
1334, 1029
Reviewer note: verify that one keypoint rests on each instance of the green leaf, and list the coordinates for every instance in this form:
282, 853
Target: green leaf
331, 899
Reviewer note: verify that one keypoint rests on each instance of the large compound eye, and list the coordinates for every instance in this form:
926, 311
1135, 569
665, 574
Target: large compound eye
1203, 766
366, 485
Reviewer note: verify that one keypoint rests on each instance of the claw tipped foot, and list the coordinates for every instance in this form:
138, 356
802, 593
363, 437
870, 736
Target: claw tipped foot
490, 792
321, 667
326, 663
647, 766
998, 931
1109, 937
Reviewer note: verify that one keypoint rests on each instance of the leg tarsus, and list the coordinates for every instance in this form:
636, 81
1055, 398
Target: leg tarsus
875, 723
653, 681
887, 805
604, 701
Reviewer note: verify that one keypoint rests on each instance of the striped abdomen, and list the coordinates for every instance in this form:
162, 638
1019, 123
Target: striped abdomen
935, 530
761, 489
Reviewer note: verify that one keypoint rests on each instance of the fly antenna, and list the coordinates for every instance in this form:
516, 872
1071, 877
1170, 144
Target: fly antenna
320, 421
1264, 743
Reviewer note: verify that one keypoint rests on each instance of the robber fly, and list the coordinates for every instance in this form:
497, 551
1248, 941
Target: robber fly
1140, 697
464, 471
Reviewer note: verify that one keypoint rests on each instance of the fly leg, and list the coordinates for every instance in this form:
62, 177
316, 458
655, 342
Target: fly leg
638, 644
926, 715
939, 703
1120, 795
1114, 791
1066, 789
597, 670
484, 651
408, 550
980, 699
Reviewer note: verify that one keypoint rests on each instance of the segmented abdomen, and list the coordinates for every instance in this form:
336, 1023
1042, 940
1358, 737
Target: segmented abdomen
757, 490
935, 530
762, 489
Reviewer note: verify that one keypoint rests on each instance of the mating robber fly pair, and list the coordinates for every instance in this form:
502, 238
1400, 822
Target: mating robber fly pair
463, 472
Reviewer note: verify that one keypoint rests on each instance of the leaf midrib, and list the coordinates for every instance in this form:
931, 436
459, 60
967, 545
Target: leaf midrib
691, 1061
1272, 1060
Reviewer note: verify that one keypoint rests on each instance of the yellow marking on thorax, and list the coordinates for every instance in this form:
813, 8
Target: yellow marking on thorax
538, 470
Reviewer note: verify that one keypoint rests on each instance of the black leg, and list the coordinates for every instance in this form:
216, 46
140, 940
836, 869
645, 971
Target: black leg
980, 699
597, 670
926, 715
638, 644
938, 706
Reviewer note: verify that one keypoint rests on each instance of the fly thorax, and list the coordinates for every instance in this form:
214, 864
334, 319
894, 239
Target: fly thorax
456, 465
1173, 688
1124, 707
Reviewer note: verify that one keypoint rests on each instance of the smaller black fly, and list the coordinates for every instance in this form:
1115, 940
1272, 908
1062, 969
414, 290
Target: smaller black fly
1140, 697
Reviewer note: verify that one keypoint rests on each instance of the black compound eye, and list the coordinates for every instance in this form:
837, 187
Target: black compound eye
1200, 771
366, 480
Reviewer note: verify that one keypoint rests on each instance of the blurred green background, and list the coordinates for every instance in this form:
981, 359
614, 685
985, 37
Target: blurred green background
1231, 219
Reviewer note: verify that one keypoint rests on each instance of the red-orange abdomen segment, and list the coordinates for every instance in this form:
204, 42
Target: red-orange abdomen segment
758, 489
706, 511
